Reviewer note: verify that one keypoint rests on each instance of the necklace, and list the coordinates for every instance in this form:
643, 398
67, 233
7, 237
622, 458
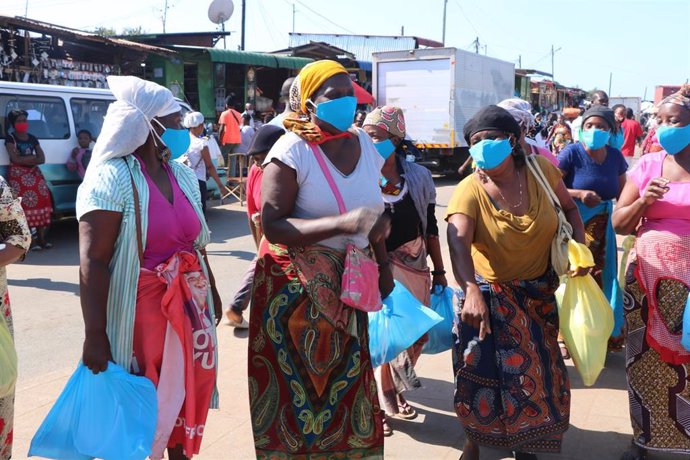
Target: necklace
519, 203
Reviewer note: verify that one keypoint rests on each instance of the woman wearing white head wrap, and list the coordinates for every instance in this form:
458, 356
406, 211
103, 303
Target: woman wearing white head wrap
521, 111
198, 156
140, 223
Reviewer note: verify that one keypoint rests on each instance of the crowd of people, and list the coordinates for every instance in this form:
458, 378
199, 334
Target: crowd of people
327, 182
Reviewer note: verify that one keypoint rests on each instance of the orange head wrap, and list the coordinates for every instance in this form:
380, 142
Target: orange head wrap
313, 75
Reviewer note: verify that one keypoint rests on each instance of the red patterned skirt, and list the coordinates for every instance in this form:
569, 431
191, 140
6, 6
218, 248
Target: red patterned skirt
312, 393
28, 183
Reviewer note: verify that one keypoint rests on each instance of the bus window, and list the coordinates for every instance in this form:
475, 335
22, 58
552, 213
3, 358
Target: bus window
47, 115
88, 114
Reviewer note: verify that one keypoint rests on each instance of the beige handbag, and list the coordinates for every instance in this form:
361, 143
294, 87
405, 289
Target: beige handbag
564, 232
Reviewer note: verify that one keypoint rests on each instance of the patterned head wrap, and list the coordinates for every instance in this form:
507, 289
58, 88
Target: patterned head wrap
388, 118
681, 97
309, 80
521, 110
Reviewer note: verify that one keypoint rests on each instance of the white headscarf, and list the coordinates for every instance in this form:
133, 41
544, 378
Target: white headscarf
521, 111
193, 119
128, 121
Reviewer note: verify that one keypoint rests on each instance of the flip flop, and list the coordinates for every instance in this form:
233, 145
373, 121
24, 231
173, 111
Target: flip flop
243, 325
565, 354
387, 430
406, 412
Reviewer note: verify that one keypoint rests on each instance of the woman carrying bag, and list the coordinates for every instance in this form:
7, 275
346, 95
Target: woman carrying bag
501, 226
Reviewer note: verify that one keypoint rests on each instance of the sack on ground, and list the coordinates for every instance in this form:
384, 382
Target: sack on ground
8, 360
110, 415
399, 324
586, 318
441, 335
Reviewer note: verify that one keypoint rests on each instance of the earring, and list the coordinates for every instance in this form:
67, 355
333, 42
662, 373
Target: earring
163, 155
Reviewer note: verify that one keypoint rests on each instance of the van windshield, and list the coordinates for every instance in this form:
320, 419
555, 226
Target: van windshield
47, 115
88, 114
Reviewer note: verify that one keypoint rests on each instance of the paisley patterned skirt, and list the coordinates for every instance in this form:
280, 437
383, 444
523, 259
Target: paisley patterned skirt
512, 389
312, 393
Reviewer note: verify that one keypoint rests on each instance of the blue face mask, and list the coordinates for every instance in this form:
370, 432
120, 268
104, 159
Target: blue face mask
616, 140
672, 139
338, 113
385, 148
489, 153
594, 138
176, 140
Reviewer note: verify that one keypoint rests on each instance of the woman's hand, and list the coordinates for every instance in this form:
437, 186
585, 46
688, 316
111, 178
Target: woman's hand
360, 220
381, 229
590, 198
475, 313
579, 271
386, 283
655, 190
439, 280
96, 352
217, 305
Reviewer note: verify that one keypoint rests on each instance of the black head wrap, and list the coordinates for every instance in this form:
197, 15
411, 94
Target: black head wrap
490, 118
601, 112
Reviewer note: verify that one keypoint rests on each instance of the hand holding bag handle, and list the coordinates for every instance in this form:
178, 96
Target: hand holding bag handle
564, 231
360, 286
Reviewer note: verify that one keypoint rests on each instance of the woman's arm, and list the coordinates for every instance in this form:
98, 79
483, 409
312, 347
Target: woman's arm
18, 159
210, 167
572, 215
621, 184
631, 206
40, 157
279, 192
474, 312
98, 231
217, 302
433, 246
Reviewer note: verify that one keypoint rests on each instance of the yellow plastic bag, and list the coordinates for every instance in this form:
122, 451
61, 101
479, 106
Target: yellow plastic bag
586, 318
8, 360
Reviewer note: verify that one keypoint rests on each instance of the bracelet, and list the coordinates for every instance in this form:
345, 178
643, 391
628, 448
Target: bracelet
438, 272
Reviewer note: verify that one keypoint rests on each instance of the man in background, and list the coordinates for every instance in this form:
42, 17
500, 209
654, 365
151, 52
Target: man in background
229, 131
632, 133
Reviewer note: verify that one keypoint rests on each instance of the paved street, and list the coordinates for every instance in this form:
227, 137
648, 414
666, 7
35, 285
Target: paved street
44, 291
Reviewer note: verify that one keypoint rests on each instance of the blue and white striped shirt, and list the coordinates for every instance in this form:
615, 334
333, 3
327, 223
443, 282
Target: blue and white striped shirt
109, 188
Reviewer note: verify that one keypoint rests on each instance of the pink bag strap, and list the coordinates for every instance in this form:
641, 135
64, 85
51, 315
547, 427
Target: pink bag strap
329, 178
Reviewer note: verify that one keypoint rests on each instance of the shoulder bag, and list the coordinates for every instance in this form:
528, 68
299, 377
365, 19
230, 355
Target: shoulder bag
360, 283
564, 232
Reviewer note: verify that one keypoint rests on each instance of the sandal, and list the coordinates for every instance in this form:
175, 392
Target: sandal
406, 412
565, 354
387, 430
616, 344
47, 245
36, 248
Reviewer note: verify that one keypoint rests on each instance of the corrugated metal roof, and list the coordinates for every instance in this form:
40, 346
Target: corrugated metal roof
362, 46
257, 59
74, 34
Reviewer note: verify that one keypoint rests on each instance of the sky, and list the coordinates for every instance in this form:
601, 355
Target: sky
637, 43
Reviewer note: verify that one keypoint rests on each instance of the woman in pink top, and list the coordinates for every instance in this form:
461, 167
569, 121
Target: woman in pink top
80, 157
655, 202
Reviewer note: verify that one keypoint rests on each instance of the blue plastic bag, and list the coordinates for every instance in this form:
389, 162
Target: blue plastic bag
685, 338
399, 324
441, 335
110, 415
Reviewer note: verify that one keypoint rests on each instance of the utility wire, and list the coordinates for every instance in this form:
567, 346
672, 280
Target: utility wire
324, 17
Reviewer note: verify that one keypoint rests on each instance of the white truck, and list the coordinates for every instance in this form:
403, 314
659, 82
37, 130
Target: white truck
439, 90
630, 102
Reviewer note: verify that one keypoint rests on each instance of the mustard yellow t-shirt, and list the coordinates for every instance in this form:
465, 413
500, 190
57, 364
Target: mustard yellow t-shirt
508, 247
